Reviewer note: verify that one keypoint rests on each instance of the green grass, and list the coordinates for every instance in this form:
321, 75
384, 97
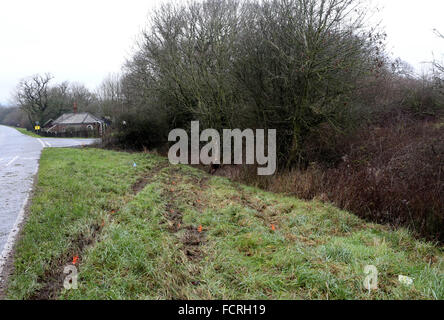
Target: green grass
146, 245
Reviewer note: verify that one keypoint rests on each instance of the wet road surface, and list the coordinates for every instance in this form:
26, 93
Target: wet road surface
19, 156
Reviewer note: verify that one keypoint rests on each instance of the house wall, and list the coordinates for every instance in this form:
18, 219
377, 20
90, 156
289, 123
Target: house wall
75, 128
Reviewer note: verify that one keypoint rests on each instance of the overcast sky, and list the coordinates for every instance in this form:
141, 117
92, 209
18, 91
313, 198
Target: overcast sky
85, 40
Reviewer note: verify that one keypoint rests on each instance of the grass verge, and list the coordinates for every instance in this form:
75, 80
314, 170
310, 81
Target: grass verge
26, 132
157, 231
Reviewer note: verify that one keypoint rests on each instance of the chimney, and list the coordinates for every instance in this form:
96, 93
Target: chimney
75, 107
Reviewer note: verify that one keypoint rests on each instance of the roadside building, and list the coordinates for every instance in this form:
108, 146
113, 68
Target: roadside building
48, 124
75, 123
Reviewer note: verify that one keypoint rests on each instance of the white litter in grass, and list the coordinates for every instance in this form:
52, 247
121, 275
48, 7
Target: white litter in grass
405, 280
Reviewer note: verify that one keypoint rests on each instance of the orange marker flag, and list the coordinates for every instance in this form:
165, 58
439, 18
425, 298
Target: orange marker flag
75, 259
199, 229
273, 227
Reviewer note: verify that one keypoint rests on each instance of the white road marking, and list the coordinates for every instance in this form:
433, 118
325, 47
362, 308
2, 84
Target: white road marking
9, 245
12, 161
41, 142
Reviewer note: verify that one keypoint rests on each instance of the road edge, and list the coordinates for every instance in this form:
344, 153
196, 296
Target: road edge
8, 253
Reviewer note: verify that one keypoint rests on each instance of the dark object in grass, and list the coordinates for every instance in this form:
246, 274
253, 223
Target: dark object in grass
214, 167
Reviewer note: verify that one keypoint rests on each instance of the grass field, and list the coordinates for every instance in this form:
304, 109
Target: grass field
157, 231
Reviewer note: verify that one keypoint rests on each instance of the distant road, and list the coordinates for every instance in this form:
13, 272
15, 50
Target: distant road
19, 156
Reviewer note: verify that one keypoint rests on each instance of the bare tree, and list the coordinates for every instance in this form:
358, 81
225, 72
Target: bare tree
32, 97
439, 66
292, 65
110, 95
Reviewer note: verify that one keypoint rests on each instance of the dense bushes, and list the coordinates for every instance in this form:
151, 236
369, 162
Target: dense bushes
389, 169
143, 132
394, 174
289, 65
390, 174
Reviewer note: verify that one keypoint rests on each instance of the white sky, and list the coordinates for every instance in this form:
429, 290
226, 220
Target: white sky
409, 25
85, 40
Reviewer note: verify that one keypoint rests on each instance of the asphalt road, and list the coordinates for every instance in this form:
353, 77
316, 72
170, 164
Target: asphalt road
19, 156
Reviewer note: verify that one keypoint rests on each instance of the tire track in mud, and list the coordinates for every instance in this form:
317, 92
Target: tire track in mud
191, 238
262, 210
53, 278
146, 179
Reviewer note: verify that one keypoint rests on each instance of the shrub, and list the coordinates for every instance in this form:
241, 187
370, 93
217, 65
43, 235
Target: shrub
139, 131
288, 65
391, 174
